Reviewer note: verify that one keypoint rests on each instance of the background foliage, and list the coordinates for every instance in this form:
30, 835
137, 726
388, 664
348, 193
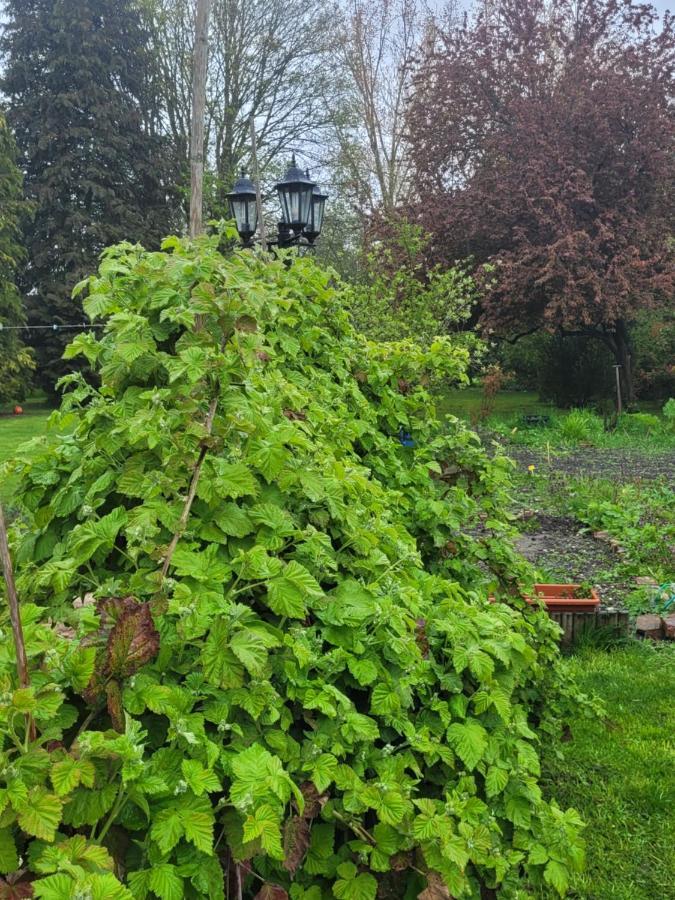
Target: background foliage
77, 79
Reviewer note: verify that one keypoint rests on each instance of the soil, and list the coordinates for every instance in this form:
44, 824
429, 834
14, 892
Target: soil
618, 465
568, 556
557, 544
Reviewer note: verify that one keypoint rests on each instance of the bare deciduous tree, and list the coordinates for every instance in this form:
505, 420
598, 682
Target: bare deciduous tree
267, 60
376, 44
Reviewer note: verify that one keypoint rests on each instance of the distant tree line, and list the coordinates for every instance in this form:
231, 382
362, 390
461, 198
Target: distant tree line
533, 141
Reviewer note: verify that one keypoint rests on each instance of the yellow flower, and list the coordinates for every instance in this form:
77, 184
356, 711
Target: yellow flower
530, 469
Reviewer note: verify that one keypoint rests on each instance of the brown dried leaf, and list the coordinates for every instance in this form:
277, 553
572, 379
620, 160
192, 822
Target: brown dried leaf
246, 323
436, 888
132, 642
295, 415
314, 801
296, 842
271, 892
15, 891
114, 701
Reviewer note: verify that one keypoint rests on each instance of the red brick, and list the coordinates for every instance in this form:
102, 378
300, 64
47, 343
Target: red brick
668, 623
649, 626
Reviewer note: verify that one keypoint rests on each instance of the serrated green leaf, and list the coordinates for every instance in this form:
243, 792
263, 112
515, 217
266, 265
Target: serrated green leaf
200, 779
469, 740
165, 881
495, 781
264, 824
324, 768
557, 876
41, 815
9, 858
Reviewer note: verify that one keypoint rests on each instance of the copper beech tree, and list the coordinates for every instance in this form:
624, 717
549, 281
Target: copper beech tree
542, 136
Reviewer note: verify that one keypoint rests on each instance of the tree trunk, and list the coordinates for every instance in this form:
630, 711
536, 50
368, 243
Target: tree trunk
624, 359
198, 106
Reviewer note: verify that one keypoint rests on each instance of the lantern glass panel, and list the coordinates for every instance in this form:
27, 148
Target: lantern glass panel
295, 197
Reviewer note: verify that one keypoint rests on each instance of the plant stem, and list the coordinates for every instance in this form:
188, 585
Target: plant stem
114, 812
15, 616
194, 482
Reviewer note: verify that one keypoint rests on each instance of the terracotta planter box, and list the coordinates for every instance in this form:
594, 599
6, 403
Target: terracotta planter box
560, 598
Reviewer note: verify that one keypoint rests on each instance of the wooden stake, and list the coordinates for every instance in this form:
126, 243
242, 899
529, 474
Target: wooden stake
198, 107
619, 404
15, 617
256, 181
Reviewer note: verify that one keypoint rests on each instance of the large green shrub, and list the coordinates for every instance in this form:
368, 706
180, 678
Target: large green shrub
318, 698
400, 296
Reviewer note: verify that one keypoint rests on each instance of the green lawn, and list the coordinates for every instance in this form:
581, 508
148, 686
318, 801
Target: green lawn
620, 775
14, 430
464, 402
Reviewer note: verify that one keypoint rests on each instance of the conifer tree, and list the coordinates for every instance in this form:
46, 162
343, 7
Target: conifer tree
78, 80
15, 359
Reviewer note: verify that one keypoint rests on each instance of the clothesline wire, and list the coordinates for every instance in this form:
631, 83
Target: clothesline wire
53, 327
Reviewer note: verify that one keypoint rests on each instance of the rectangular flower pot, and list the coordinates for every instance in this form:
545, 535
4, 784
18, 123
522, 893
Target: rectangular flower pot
560, 598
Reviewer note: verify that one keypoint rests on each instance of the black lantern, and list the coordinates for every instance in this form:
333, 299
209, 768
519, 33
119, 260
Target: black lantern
315, 221
295, 196
243, 208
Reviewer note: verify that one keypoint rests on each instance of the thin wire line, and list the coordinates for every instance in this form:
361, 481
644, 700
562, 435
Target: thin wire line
52, 327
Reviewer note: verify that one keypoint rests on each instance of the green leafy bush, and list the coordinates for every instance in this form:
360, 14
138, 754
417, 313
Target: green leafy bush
312, 695
402, 297
580, 426
639, 423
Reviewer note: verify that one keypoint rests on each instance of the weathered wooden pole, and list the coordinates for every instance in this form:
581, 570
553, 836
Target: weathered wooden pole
256, 181
15, 616
619, 404
198, 108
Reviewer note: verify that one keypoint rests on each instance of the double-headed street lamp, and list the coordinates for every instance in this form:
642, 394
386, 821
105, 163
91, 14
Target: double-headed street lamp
302, 209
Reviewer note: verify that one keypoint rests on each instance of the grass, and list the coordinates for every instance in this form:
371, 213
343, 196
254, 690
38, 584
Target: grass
463, 403
14, 431
620, 774
566, 429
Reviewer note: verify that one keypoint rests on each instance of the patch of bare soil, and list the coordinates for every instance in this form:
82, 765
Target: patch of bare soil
556, 545
617, 465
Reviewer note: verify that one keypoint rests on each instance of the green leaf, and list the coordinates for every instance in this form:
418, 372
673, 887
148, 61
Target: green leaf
78, 667
250, 648
197, 819
41, 815
265, 824
363, 670
234, 479
353, 886
68, 773
324, 768
233, 520
9, 858
200, 779
556, 875
99, 534
165, 881
469, 740
495, 781
167, 829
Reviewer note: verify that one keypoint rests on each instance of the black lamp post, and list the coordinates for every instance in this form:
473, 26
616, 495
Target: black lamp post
302, 209
244, 209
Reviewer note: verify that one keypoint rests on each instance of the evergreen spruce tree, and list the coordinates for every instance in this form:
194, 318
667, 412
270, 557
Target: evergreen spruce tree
78, 81
15, 360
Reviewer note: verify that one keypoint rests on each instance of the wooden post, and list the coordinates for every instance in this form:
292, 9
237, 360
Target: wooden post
256, 181
198, 107
15, 617
619, 405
